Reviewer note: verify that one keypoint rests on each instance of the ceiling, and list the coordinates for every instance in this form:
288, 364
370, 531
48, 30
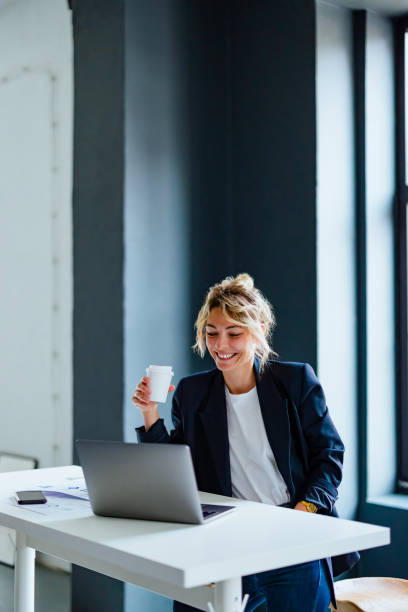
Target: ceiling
384, 7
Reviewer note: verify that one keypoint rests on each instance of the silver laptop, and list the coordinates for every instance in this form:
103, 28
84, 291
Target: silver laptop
144, 481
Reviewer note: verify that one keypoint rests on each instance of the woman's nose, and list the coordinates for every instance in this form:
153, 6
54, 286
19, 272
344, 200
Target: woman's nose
221, 343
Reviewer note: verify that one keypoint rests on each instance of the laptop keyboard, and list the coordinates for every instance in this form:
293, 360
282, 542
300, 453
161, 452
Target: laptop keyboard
206, 510
207, 513
212, 509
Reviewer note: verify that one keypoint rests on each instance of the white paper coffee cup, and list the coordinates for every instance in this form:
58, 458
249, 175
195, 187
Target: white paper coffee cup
160, 379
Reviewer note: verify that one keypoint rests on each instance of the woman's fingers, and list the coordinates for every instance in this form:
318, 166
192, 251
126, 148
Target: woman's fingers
143, 404
141, 394
144, 382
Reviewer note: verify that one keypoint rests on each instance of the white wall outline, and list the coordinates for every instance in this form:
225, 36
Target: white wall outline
56, 348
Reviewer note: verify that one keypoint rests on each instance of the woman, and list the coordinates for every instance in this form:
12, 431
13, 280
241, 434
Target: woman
258, 429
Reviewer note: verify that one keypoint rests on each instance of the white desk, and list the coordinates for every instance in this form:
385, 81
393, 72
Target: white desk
175, 560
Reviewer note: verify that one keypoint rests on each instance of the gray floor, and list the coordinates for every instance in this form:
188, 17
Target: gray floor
52, 590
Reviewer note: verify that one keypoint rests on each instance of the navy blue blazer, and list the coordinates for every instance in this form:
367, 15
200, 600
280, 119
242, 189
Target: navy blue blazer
303, 438
306, 445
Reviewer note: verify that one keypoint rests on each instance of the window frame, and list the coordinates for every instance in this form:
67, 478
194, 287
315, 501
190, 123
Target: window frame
400, 236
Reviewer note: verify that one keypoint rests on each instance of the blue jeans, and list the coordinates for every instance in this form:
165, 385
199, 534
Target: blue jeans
290, 589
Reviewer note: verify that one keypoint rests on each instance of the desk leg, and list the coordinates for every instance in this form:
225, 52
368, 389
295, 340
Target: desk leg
24, 576
228, 595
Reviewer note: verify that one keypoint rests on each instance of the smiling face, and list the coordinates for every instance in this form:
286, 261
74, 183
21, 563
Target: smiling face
229, 344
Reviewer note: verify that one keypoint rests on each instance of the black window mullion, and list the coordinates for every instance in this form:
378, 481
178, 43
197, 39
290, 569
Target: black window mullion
400, 241
359, 88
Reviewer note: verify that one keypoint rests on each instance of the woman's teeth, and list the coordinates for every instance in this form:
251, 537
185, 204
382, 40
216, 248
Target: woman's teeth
225, 357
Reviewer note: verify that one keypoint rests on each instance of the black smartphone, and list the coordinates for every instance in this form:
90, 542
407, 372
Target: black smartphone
30, 497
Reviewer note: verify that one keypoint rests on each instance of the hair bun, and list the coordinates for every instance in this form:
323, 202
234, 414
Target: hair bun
245, 280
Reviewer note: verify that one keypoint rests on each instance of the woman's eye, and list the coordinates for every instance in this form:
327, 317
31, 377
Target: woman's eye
211, 334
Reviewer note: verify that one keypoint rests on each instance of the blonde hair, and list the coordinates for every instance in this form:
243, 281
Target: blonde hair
241, 303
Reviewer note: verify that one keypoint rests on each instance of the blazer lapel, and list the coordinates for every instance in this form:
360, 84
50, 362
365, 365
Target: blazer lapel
275, 416
214, 420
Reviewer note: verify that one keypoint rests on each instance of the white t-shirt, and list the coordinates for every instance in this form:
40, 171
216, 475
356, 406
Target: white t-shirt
254, 471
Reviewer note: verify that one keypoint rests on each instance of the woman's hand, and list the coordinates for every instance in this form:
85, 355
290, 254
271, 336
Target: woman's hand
141, 398
301, 507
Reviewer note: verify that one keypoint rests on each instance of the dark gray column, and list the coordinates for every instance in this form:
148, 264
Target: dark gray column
98, 248
272, 166
252, 125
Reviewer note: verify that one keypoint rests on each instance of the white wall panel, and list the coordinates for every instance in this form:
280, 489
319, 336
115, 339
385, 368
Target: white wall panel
26, 266
36, 108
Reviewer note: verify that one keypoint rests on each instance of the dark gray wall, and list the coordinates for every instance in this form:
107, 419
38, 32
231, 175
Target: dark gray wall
175, 177
256, 212
220, 167
272, 162
98, 248
211, 232
389, 560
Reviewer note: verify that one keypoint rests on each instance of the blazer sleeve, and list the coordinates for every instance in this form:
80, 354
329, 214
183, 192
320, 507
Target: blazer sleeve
325, 447
158, 432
